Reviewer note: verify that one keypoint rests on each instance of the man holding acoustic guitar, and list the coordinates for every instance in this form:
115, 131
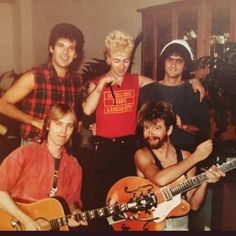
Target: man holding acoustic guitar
29, 179
162, 163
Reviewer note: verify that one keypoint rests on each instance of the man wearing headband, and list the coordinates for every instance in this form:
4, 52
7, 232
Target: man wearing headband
175, 64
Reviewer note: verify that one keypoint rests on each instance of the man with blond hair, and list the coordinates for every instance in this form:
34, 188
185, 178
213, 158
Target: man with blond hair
114, 97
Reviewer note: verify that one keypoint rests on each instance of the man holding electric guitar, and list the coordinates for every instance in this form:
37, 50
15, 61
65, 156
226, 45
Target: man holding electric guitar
162, 163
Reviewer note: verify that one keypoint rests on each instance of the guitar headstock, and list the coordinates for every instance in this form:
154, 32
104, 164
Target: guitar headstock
143, 202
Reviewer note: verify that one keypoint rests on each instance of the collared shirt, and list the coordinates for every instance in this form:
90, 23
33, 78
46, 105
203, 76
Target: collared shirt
48, 90
27, 175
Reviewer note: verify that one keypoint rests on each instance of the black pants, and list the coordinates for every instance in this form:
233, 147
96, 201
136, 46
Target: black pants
114, 160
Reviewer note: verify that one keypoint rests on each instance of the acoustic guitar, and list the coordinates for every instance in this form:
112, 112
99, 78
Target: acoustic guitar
169, 201
50, 212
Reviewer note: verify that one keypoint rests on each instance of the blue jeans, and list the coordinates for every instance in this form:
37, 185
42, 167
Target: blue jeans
176, 224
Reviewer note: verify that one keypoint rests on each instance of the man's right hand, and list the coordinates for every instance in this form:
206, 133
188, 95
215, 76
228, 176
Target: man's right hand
204, 149
31, 225
107, 79
93, 128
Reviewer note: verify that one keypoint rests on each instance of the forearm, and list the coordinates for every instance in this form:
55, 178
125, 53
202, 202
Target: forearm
198, 196
9, 206
10, 110
90, 104
192, 129
171, 173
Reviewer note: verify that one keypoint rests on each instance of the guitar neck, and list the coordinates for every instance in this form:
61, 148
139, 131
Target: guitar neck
102, 212
195, 181
90, 215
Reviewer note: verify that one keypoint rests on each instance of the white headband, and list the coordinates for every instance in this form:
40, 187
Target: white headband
181, 42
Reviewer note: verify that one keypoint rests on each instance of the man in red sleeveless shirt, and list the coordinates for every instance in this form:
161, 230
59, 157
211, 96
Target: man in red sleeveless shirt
114, 97
54, 82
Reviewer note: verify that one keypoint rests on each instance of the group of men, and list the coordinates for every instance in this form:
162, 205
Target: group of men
50, 97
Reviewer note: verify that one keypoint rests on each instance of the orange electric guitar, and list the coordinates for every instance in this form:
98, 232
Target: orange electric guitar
50, 212
169, 201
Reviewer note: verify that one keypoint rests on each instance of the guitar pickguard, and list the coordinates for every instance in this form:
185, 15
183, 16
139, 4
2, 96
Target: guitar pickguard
163, 209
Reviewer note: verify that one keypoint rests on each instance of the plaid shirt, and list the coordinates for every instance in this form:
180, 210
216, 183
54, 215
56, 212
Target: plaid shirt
48, 90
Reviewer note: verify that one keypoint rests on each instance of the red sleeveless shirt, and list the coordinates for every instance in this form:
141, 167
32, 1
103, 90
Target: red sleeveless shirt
118, 117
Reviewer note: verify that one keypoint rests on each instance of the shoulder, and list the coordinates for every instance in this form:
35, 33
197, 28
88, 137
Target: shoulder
22, 86
188, 86
139, 152
28, 75
132, 78
190, 92
142, 153
23, 152
150, 87
143, 80
39, 69
32, 148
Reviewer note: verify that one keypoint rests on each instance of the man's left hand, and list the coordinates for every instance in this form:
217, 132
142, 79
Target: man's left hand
198, 87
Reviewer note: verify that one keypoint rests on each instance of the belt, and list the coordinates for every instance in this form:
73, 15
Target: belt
122, 139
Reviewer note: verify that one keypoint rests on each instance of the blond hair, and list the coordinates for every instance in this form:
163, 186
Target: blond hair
118, 41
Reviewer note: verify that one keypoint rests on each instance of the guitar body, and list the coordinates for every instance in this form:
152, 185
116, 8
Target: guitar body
149, 220
42, 211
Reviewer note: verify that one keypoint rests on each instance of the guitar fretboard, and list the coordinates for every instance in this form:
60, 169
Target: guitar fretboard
134, 205
89, 215
101, 212
195, 181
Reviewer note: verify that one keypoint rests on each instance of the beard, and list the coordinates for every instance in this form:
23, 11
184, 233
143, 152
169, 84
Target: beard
156, 142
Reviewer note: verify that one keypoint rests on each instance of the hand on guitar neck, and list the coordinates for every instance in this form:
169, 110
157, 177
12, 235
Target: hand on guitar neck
169, 201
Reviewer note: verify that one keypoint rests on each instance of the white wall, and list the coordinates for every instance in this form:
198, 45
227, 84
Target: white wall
6, 38
33, 19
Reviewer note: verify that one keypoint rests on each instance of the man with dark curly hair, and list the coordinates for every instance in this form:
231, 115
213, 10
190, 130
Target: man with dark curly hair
41, 87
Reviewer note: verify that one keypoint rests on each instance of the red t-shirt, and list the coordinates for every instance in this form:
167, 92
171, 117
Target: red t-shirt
116, 118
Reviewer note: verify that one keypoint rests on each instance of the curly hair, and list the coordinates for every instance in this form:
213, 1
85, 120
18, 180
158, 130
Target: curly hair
71, 32
118, 41
152, 111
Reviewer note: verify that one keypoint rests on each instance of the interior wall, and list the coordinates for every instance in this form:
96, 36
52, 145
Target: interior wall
95, 19
29, 22
6, 38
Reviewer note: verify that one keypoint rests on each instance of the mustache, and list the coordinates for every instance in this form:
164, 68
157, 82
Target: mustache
151, 138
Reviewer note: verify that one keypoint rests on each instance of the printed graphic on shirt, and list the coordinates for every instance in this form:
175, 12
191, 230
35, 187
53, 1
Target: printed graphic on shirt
124, 101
